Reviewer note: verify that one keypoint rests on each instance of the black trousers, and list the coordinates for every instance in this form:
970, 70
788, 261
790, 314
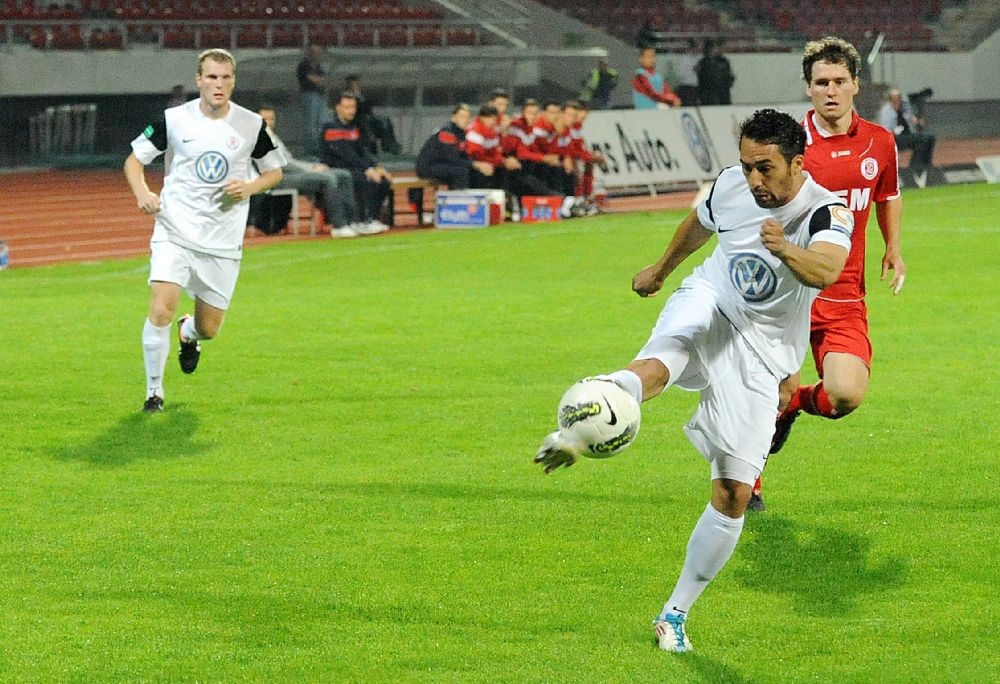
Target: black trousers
371, 195
922, 145
455, 176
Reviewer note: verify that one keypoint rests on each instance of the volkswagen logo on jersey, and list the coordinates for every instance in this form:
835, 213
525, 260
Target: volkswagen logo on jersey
752, 276
212, 167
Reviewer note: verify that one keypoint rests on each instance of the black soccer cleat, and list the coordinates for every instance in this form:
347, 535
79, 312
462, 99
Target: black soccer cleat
154, 404
189, 352
782, 428
756, 503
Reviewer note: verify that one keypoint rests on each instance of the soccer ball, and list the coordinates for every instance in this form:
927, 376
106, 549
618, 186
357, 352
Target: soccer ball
600, 416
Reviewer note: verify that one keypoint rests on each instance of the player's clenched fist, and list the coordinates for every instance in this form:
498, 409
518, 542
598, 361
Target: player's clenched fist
772, 235
149, 203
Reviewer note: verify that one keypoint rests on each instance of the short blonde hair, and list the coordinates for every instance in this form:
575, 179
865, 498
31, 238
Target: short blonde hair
216, 55
832, 50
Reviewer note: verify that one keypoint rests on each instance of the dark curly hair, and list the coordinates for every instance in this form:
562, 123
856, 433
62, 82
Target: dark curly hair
771, 127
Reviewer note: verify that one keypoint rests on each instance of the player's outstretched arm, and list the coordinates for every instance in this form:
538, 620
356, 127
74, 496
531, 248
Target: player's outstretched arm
889, 222
689, 237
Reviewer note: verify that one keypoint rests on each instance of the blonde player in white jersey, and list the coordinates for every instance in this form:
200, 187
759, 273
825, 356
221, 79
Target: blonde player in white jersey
201, 212
735, 328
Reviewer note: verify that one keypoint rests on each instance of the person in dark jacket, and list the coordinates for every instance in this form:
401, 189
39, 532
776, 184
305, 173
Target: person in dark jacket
343, 149
442, 157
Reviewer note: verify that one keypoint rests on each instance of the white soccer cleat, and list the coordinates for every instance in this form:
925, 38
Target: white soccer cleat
670, 633
566, 210
343, 232
557, 450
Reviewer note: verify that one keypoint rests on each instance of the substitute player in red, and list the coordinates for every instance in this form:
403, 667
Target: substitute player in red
857, 160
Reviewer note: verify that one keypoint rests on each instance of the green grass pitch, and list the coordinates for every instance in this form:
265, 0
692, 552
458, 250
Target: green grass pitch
344, 492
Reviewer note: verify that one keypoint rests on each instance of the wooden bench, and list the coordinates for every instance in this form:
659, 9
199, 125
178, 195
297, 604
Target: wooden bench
420, 186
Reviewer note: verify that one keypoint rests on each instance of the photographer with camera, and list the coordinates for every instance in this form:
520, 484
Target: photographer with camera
897, 115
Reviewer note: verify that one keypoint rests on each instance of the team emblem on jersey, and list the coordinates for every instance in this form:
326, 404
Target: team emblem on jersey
233, 142
212, 167
869, 168
752, 276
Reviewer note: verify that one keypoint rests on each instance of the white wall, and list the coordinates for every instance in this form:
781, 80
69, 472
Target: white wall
761, 78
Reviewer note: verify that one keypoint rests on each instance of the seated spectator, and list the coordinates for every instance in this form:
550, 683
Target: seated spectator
549, 127
897, 116
584, 204
377, 131
331, 189
342, 148
442, 157
483, 143
521, 142
500, 98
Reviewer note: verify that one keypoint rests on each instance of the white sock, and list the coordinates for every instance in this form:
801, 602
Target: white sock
711, 545
189, 331
155, 349
630, 381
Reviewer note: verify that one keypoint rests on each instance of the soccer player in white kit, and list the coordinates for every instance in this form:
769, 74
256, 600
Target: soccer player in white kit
735, 328
201, 214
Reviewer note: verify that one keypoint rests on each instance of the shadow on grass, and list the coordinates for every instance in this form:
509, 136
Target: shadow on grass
822, 570
710, 670
139, 435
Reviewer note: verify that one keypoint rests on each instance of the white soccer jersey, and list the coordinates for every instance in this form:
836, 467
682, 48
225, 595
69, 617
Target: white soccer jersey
204, 154
757, 292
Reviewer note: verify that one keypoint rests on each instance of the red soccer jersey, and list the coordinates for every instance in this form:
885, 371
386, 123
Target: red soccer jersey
482, 143
860, 166
545, 136
520, 141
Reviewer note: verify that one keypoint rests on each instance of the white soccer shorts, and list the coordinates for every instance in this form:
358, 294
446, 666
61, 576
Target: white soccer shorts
739, 396
209, 278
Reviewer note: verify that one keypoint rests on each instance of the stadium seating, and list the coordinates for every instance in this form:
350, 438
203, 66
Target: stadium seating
187, 24
68, 25
741, 24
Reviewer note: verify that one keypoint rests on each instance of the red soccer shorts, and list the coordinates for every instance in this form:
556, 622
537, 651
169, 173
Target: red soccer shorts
839, 327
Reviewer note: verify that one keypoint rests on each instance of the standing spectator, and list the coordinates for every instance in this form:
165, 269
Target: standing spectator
377, 131
599, 86
443, 158
649, 89
897, 116
201, 212
332, 189
312, 93
344, 149
715, 76
686, 66
735, 326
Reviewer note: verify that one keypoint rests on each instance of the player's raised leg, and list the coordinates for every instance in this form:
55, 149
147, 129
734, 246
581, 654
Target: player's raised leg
204, 325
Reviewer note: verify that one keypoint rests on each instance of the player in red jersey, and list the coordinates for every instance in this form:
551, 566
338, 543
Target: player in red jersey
856, 159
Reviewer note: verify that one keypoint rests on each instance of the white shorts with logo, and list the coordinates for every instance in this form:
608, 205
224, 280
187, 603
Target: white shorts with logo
209, 278
734, 421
